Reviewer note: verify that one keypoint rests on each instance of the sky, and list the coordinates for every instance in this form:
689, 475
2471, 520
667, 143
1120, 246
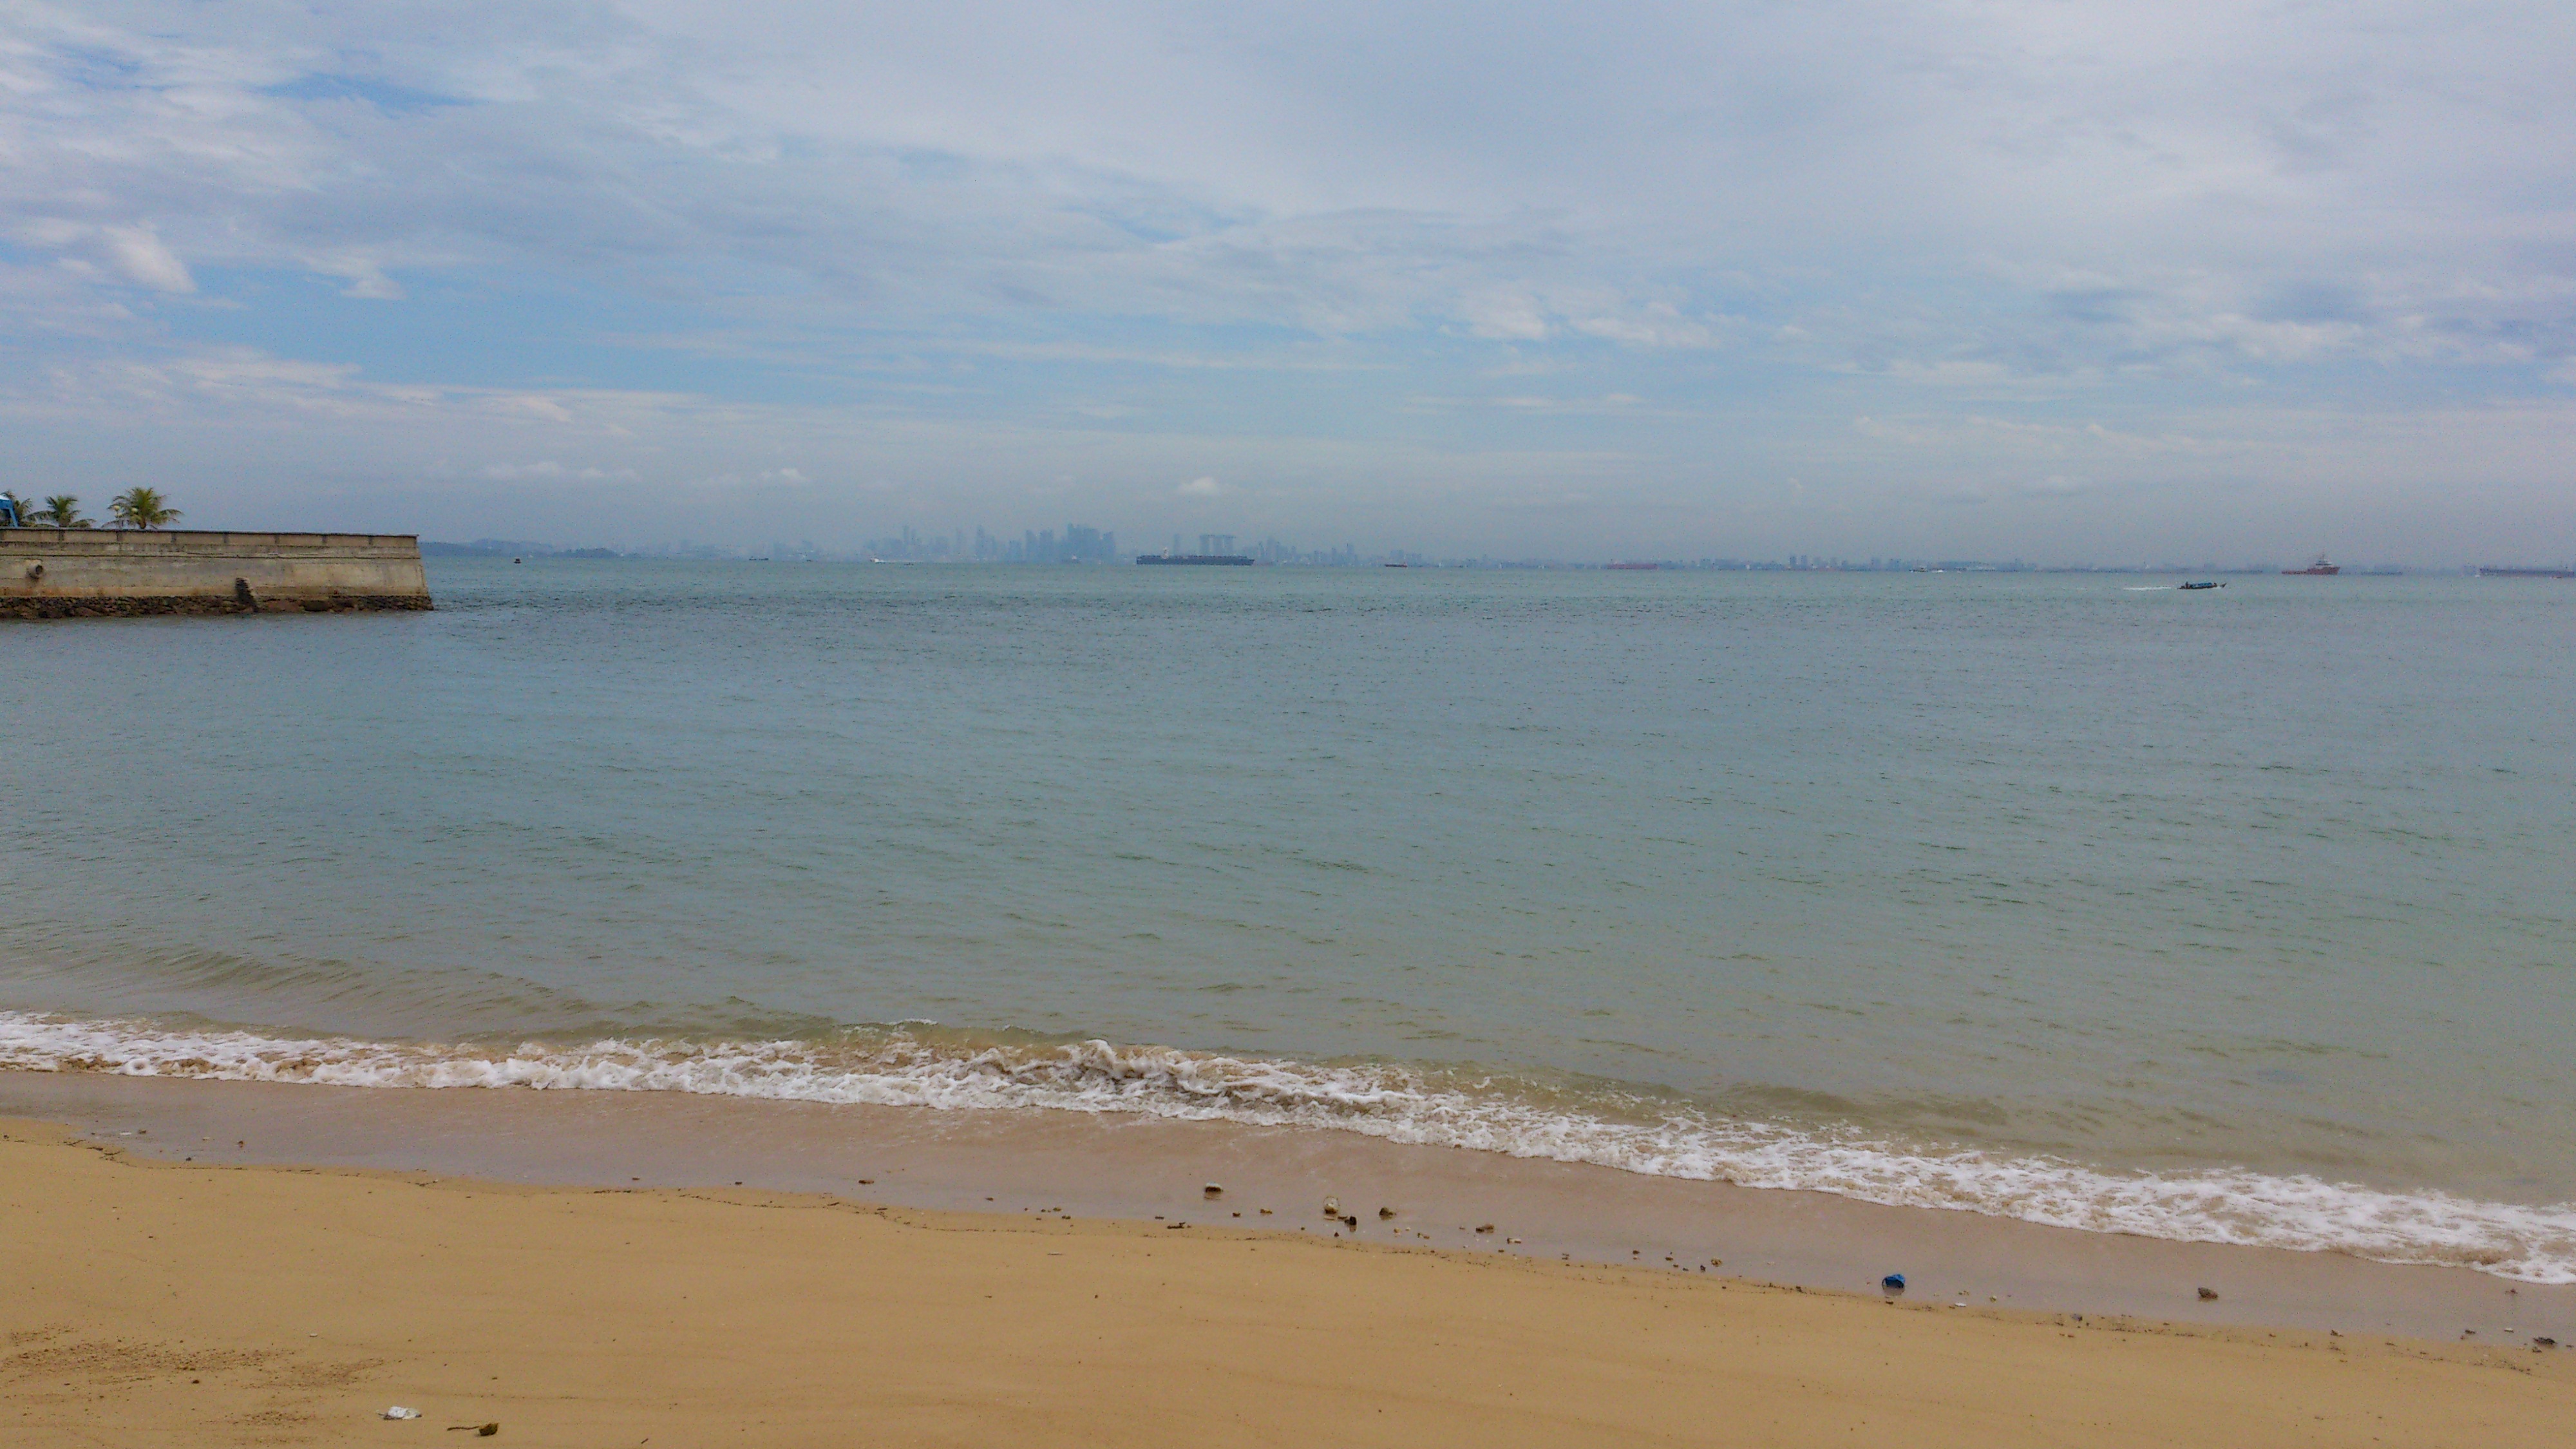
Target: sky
2064, 281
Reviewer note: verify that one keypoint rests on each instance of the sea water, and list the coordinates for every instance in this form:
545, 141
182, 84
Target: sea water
2241, 915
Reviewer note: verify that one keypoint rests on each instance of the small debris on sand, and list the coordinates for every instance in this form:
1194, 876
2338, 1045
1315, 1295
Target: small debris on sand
1214, 1190
1484, 1227
2207, 1294
1384, 1213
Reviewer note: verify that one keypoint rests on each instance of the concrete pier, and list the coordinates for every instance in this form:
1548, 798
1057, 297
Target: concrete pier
62, 573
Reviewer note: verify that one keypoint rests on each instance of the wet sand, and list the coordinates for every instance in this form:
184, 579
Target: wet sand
150, 1302
1016, 1164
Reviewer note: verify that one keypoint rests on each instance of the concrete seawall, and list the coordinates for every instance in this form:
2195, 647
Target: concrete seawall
60, 573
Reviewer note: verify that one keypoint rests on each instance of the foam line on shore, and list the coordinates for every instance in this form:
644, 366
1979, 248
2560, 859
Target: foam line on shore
896, 1067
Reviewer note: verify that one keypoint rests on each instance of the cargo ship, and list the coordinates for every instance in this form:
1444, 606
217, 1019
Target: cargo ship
1194, 558
2499, 571
2320, 568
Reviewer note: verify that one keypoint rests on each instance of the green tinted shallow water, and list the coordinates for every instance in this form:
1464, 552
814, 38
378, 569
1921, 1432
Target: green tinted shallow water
2274, 877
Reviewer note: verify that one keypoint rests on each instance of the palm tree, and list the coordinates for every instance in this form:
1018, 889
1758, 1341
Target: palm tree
62, 510
142, 508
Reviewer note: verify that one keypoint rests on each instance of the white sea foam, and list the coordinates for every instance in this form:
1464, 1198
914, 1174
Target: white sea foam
901, 1068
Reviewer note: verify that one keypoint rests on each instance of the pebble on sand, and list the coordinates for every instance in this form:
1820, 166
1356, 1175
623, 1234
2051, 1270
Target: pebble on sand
2206, 1294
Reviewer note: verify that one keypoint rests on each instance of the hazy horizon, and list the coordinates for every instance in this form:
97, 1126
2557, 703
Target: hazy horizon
2067, 282
937, 549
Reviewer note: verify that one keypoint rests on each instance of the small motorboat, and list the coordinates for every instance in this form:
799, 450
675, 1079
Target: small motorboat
2204, 584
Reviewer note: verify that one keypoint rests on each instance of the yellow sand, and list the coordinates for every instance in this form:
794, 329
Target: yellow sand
170, 1304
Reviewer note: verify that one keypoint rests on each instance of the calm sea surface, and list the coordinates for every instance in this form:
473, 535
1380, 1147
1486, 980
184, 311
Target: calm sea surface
2243, 914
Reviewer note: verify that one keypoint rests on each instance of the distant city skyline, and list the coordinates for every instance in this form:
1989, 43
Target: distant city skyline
1083, 544
2063, 281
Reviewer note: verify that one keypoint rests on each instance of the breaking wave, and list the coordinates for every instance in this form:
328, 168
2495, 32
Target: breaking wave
916, 1068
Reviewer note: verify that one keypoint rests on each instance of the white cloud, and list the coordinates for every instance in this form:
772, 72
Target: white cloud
363, 275
1353, 169
548, 470
1200, 488
131, 255
144, 261
1506, 316
1994, 228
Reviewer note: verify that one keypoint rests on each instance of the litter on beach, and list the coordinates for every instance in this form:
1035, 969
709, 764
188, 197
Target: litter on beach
399, 1412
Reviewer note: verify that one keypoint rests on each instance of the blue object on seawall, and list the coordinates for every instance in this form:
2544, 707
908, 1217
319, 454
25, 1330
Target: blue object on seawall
1893, 1282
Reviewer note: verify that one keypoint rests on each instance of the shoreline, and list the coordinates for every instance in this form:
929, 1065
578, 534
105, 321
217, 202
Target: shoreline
2504, 1230
1011, 1164
194, 1303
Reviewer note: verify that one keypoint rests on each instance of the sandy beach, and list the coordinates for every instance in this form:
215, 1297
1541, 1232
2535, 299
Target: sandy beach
1107, 1166
185, 1303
